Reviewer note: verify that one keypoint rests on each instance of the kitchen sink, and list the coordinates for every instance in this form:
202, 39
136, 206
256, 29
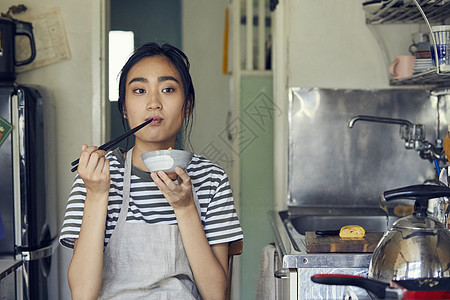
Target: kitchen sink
370, 223
298, 221
372, 220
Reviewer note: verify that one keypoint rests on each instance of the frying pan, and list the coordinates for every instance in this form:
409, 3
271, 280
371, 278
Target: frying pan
424, 288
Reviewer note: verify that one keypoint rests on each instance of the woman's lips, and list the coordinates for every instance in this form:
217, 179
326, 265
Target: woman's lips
156, 120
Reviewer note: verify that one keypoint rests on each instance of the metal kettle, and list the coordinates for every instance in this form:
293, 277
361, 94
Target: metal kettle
417, 246
9, 29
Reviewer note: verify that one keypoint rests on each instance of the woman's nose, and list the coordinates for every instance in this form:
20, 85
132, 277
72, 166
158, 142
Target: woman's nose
153, 103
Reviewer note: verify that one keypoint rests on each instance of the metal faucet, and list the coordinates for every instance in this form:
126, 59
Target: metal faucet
413, 134
377, 120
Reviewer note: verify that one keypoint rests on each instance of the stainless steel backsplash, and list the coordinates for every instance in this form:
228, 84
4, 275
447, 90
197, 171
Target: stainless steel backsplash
332, 165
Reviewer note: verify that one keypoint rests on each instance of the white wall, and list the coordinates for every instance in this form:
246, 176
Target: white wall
331, 46
71, 85
202, 42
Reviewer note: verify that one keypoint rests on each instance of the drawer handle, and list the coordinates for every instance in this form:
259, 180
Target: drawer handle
283, 273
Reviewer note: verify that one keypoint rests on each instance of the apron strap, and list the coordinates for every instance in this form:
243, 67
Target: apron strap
126, 191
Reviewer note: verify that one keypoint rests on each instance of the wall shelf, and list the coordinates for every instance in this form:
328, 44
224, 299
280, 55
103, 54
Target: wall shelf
428, 77
411, 12
405, 11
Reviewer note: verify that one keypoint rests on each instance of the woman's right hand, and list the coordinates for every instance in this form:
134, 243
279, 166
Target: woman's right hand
85, 270
93, 168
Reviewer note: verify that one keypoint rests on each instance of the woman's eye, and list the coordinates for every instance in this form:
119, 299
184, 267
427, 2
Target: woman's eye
139, 91
168, 90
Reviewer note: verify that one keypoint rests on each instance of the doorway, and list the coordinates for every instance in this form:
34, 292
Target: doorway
149, 21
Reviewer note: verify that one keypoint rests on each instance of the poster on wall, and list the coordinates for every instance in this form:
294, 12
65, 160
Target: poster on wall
50, 38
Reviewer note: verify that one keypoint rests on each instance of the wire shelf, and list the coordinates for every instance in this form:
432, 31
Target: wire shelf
405, 11
427, 77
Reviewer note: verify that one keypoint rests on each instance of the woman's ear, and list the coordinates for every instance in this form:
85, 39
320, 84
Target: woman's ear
122, 107
188, 110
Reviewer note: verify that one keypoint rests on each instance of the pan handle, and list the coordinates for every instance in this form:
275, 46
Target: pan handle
376, 287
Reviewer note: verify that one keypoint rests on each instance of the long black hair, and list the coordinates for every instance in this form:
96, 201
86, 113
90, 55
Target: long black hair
181, 63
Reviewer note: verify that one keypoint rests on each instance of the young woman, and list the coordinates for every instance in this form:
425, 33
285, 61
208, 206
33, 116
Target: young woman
137, 234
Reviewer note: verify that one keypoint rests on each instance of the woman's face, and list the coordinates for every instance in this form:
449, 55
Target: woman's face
154, 90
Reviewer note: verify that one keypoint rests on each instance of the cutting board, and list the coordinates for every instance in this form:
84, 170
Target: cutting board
335, 244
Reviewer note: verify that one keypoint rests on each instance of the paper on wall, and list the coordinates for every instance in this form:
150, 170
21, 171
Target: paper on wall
50, 38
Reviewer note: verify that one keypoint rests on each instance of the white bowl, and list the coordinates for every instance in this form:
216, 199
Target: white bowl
166, 160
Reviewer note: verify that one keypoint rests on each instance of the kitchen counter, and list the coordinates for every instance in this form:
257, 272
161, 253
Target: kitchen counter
288, 239
7, 266
300, 265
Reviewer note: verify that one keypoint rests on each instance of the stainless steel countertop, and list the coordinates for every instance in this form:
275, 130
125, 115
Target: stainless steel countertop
292, 258
7, 266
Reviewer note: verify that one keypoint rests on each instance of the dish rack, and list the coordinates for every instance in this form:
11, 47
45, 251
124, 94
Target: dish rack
408, 12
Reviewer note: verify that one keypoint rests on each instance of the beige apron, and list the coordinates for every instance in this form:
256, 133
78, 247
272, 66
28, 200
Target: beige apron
145, 261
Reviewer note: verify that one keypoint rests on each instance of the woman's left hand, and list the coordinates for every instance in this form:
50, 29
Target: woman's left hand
179, 195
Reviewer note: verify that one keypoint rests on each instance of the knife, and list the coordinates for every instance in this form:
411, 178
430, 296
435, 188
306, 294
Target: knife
327, 232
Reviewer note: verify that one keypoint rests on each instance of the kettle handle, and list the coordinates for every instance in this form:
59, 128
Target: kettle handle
25, 28
418, 192
421, 193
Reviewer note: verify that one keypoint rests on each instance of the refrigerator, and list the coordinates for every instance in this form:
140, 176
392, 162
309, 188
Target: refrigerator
28, 204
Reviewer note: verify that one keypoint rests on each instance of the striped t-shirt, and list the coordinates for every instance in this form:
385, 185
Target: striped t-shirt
148, 205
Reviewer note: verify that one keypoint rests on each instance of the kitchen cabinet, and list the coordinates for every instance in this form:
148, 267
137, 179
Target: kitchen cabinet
410, 12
